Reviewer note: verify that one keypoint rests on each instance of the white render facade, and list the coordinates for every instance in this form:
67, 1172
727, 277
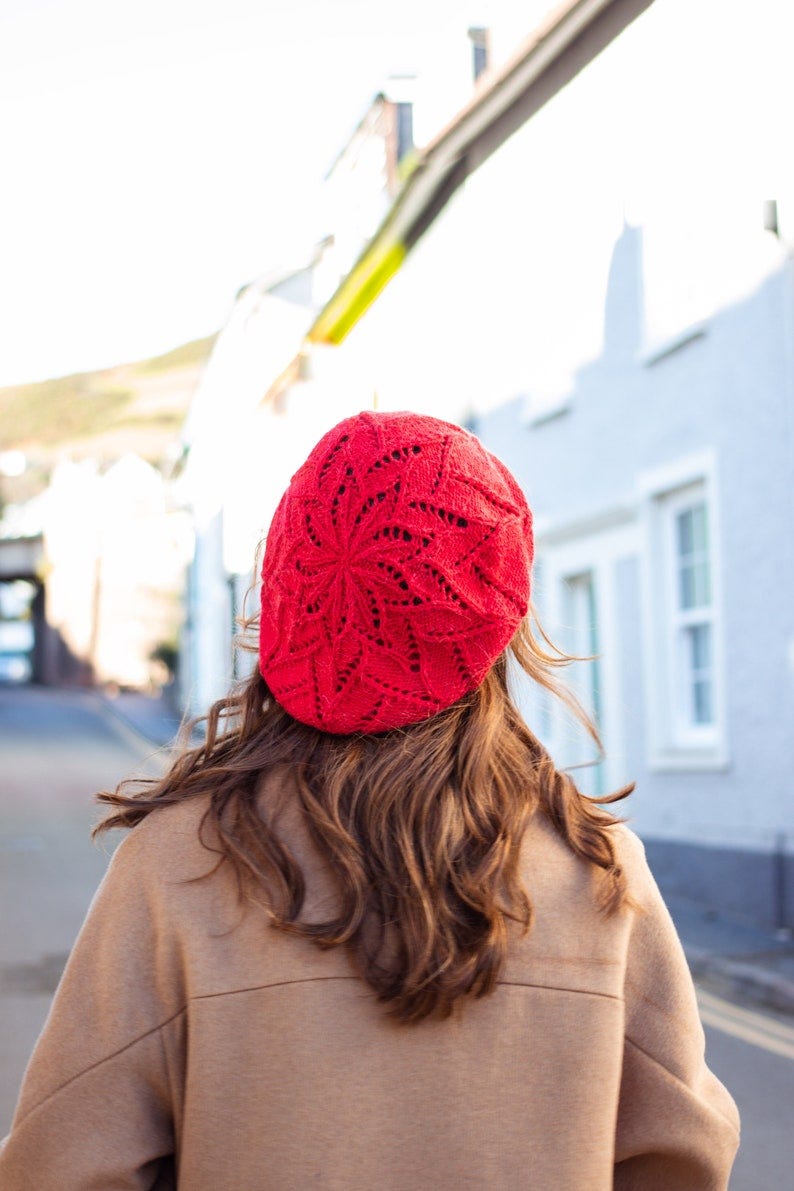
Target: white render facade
663, 489
662, 485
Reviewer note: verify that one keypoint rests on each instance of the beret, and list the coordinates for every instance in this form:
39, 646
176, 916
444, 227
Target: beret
397, 568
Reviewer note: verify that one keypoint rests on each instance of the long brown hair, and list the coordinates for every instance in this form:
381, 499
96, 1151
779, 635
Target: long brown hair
421, 825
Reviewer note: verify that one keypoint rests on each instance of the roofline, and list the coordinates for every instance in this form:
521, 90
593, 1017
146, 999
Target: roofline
265, 282
378, 99
562, 45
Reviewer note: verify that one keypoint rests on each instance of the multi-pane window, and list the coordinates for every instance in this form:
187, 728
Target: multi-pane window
683, 652
692, 621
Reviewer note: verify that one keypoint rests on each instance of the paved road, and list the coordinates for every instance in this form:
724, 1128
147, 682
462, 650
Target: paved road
57, 749
753, 1054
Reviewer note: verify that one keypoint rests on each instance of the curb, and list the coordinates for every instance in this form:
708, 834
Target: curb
738, 978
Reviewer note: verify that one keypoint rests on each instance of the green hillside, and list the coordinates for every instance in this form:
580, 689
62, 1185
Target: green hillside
136, 407
187, 355
81, 410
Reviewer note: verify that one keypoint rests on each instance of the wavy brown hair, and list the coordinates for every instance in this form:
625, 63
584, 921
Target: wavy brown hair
422, 827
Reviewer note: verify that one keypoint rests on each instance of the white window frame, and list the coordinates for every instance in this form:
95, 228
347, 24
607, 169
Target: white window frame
684, 731
675, 744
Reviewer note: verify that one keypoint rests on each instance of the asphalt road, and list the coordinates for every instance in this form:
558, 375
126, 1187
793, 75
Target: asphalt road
753, 1054
58, 748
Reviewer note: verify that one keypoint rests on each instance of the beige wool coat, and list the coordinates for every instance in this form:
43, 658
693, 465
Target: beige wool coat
190, 1045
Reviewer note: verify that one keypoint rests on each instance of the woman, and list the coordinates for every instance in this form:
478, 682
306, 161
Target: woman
366, 935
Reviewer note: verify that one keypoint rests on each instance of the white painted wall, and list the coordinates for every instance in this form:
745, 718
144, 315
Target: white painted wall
598, 358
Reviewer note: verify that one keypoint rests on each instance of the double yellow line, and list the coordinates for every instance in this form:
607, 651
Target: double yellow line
768, 1033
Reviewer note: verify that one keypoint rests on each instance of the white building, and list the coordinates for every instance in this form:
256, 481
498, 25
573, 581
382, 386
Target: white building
246, 430
662, 484
102, 553
268, 393
572, 266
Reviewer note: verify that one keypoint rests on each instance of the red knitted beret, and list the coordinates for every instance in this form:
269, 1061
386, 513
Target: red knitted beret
396, 570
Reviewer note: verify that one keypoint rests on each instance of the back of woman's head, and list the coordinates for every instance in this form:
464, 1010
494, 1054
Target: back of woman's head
396, 582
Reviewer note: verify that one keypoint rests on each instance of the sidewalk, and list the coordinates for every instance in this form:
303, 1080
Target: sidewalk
738, 960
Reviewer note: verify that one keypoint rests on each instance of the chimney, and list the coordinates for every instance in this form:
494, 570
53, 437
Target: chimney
480, 50
405, 129
399, 92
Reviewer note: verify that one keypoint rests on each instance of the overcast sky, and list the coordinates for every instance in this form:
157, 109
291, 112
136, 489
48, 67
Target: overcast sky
157, 154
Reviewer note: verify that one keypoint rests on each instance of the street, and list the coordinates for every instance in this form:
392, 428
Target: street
58, 748
753, 1054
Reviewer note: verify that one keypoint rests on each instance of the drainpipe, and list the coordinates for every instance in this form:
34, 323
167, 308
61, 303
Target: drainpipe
782, 921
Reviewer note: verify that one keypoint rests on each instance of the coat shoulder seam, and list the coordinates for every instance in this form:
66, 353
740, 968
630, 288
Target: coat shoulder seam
92, 1066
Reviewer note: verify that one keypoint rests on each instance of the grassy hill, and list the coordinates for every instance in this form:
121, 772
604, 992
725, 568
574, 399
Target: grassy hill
132, 407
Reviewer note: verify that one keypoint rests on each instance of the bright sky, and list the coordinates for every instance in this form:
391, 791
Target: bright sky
157, 154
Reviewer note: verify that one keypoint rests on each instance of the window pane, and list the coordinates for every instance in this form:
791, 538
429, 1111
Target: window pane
685, 538
702, 585
702, 694
694, 578
692, 531
694, 585
687, 587
699, 677
700, 635
699, 535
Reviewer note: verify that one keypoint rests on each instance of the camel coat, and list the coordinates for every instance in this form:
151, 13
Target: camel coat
189, 1045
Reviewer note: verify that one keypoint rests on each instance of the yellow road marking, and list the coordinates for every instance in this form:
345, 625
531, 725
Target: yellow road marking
756, 1028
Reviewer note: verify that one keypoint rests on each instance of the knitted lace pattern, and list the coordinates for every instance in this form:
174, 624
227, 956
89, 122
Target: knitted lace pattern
396, 570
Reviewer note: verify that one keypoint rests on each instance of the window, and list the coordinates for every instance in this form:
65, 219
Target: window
584, 677
690, 678
693, 617
686, 719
